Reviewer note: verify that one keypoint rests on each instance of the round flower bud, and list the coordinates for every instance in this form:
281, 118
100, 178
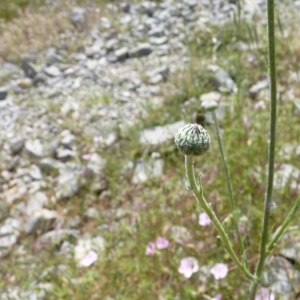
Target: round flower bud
192, 139
209, 105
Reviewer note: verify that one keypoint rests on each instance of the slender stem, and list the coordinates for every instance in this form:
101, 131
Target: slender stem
283, 226
198, 193
271, 147
229, 186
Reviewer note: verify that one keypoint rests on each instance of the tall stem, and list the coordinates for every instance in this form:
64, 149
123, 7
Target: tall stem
198, 193
229, 186
271, 148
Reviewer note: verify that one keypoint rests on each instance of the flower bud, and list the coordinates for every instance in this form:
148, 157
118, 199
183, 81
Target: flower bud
209, 105
192, 139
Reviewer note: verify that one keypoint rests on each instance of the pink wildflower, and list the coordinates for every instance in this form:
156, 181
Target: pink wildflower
161, 243
86, 156
219, 271
217, 297
88, 259
150, 250
204, 219
188, 266
264, 294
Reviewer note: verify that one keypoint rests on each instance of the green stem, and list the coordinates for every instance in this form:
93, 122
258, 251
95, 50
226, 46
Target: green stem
229, 186
271, 149
283, 226
198, 193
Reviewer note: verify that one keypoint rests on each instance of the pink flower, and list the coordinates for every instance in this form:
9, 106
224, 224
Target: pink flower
217, 297
264, 294
86, 156
204, 219
150, 250
162, 243
188, 266
88, 259
98, 139
219, 271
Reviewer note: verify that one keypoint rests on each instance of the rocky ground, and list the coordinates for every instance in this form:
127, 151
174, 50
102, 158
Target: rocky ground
60, 111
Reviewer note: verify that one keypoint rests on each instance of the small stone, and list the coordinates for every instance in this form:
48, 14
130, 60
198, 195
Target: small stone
9, 233
68, 183
111, 44
148, 7
53, 71
3, 94
50, 165
147, 169
57, 236
24, 83
92, 64
96, 163
68, 140
16, 145
28, 69
41, 220
159, 134
36, 202
224, 82
91, 213
35, 173
257, 87
158, 40
156, 32
78, 17
156, 79
52, 57
34, 148
141, 50
121, 53
64, 155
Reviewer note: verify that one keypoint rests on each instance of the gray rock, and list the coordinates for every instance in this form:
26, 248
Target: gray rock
35, 203
64, 155
146, 170
141, 50
121, 53
9, 233
148, 7
53, 71
224, 82
96, 163
111, 44
257, 87
25, 83
155, 79
16, 145
28, 69
290, 248
287, 174
158, 40
78, 17
52, 57
35, 172
156, 32
41, 221
68, 183
91, 213
50, 165
34, 148
160, 134
68, 140
282, 276
58, 236
91, 64
3, 94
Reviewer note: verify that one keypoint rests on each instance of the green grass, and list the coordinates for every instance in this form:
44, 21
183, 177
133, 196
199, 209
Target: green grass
134, 215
